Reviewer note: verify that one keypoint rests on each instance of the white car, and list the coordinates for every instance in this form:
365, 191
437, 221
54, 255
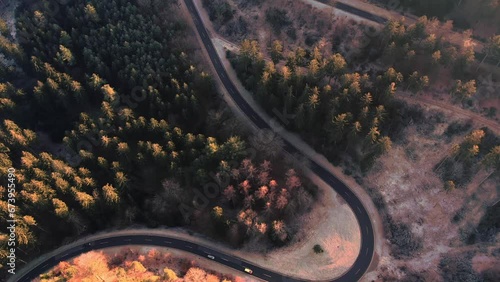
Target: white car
248, 270
211, 257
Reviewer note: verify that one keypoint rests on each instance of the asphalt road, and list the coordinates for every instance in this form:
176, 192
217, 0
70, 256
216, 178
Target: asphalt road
364, 14
359, 267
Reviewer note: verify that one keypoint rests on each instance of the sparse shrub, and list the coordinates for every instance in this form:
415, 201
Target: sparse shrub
403, 115
246, 3
404, 243
459, 215
413, 277
278, 19
458, 268
378, 199
317, 249
411, 153
457, 171
458, 127
218, 10
358, 179
237, 28
491, 275
489, 225
292, 33
311, 38
491, 112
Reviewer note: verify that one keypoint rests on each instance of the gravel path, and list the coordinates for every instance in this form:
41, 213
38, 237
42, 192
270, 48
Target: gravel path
419, 100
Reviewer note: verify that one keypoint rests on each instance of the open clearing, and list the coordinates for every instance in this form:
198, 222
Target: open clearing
414, 195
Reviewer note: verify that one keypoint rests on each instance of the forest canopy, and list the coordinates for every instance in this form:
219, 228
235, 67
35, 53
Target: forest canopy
103, 116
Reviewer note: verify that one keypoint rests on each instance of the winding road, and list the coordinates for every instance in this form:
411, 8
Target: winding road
357, 270
150, 240
367, 237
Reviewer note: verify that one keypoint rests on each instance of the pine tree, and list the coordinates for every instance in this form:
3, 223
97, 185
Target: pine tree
338, 126
276, 51
60, 208
492, 159
91, 13
85, 200
110, 194
96, 82
334, 66
384, 145
279, 232
65, 56
464, 90
121, 179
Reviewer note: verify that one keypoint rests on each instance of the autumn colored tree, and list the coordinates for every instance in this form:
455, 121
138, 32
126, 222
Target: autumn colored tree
449, 185
279, 232
463, 90
417, 83
277, 51
334, 66
169, 274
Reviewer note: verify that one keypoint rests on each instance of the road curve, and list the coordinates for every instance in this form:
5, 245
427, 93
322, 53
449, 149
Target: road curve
144, 237
367, 237
359, 267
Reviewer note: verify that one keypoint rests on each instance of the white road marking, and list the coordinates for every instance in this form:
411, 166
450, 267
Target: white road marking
357, 271
224, 259
168, 242
267, 275
188, 247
